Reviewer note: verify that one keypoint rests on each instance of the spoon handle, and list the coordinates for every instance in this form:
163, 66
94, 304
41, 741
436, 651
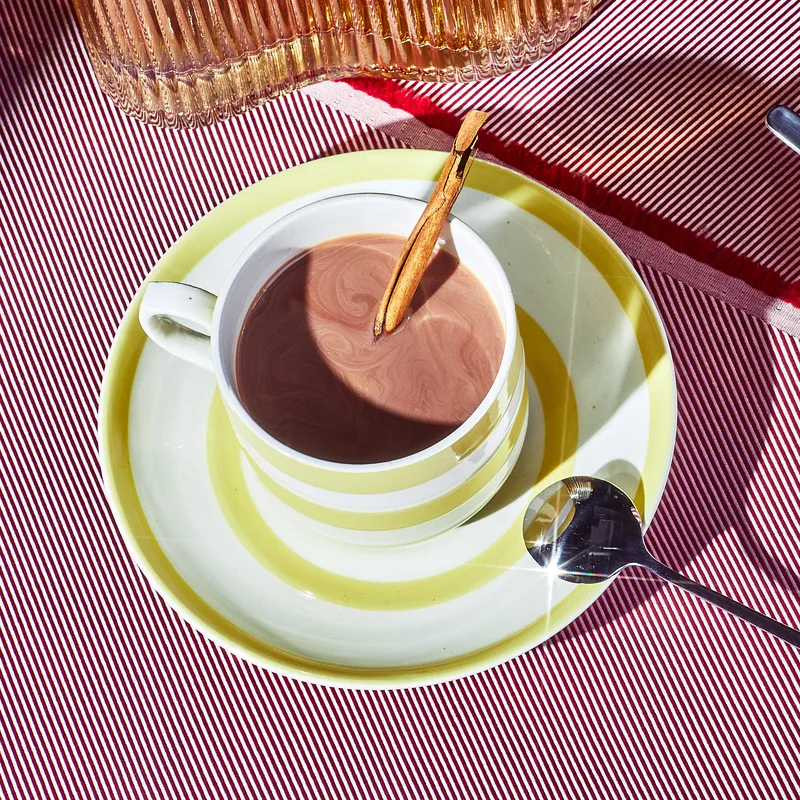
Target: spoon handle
748, 614
785, 124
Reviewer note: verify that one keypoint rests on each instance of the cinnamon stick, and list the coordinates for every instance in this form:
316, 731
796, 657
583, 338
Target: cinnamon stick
419, 247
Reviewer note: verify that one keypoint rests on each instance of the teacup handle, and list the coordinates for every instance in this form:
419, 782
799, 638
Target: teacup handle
178, 318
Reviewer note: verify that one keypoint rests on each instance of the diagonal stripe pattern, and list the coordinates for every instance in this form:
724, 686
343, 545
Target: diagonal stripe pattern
106, 693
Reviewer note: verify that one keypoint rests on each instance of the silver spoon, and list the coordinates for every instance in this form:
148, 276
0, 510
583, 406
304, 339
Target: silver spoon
586, 530
785, 124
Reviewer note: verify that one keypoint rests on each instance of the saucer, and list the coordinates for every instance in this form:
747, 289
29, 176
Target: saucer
243, 568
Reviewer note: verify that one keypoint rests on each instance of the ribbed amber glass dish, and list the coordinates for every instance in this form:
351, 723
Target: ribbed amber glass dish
190, 62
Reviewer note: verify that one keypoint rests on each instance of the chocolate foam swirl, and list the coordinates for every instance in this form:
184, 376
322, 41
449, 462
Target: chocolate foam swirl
309, 372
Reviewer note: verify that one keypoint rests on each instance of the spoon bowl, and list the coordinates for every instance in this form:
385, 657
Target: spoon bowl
585, 530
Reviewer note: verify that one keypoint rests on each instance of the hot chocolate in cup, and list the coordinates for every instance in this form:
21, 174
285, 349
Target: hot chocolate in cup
456, 469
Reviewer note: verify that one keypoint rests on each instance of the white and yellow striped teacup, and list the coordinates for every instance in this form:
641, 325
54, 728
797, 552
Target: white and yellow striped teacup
406, 499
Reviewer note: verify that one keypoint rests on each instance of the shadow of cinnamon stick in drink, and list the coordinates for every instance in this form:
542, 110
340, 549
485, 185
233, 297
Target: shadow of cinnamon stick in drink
436, 274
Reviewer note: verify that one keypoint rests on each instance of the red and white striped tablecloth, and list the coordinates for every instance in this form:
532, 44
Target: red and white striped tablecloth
652, 119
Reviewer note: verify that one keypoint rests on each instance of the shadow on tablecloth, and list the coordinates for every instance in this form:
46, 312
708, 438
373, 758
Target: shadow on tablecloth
685, 136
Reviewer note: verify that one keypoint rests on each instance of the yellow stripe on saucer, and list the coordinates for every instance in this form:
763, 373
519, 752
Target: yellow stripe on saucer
387, 520
629, 289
